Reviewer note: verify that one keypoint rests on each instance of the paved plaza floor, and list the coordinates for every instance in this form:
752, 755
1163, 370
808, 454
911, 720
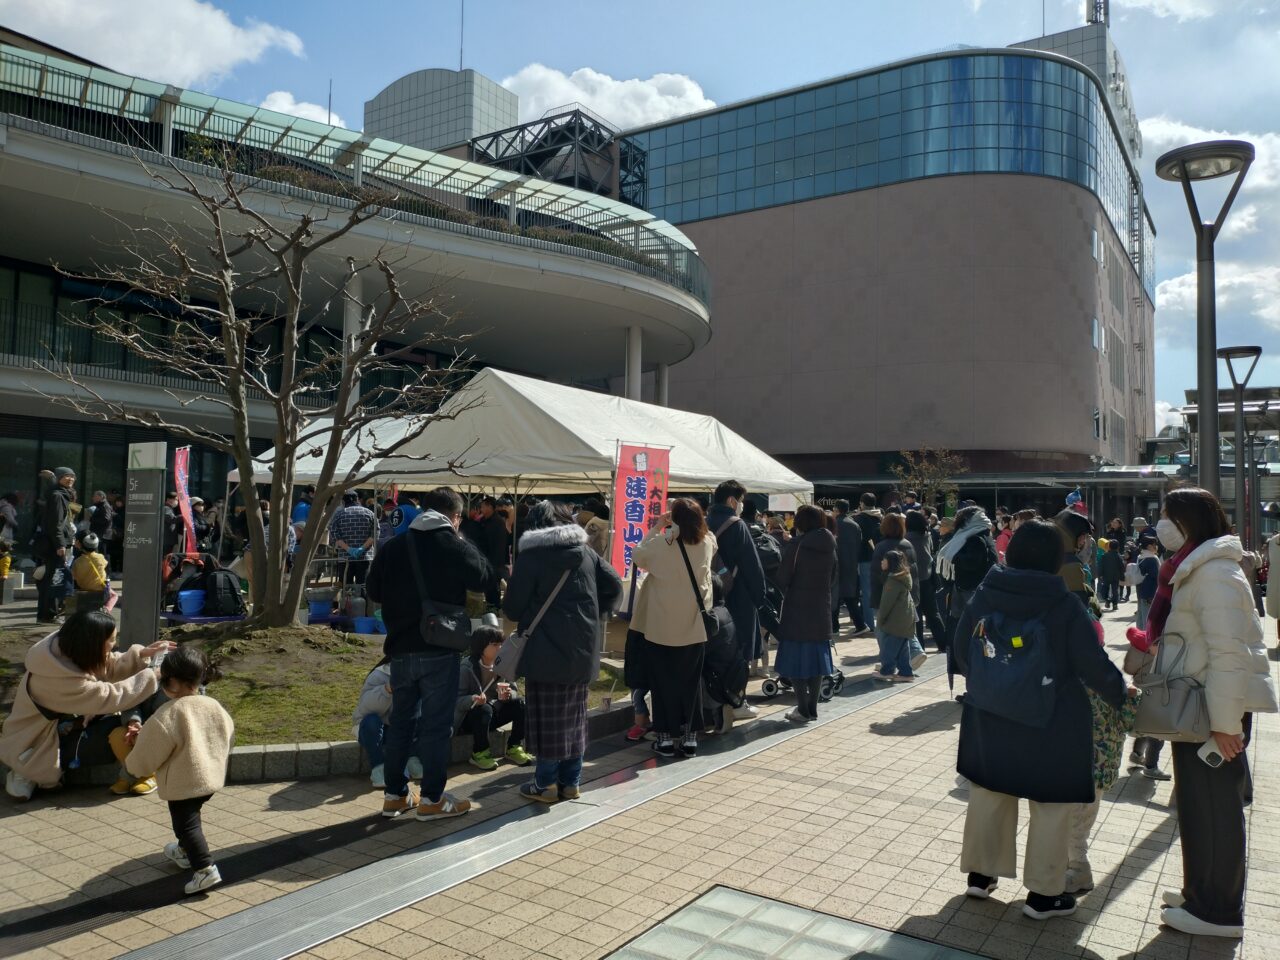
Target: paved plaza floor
839, 839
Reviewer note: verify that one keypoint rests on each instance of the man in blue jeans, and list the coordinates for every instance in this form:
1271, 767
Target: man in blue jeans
868, 520
424, 679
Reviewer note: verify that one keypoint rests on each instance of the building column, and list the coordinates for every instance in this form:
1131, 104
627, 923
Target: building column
166, 128
635, 345
352, 315
662, 385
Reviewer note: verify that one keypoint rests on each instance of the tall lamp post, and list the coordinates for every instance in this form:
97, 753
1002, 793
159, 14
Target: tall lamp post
1207, 161
1246, 491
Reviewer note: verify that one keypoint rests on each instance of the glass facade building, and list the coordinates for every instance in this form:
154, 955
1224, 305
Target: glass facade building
958, 113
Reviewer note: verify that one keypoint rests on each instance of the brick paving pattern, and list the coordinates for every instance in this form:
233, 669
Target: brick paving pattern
860, 818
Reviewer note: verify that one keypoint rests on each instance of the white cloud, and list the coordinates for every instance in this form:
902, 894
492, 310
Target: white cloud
1241, 289
625, 103
183, 42
1241, 222
1167, 416
1163, 133
1181, 10
283, 101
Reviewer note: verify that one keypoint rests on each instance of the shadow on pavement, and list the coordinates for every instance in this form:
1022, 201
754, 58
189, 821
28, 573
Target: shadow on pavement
927, 718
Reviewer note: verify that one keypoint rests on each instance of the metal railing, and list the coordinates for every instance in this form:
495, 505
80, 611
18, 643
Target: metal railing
33, 337
317, 161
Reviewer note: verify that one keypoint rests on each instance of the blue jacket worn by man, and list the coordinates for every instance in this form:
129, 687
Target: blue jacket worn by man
738, 555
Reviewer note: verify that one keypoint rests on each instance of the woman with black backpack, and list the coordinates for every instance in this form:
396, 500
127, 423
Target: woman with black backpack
1028, 649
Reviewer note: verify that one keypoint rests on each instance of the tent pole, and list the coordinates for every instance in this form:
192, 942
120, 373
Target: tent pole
226, 514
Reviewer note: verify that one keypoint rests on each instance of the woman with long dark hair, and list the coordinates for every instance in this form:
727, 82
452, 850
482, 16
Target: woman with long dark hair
806, 576
555, 564
676, 557
1206, 607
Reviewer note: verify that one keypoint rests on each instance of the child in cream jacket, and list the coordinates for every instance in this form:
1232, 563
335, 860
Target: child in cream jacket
186, 742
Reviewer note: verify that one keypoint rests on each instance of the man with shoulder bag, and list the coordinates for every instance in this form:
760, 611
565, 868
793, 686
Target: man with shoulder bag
421, 578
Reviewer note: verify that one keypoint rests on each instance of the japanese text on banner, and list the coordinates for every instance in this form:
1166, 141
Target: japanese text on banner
639, 499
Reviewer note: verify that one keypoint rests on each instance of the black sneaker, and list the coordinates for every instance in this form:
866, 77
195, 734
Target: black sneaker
664, 746
689, 745
980, 886
1041, 907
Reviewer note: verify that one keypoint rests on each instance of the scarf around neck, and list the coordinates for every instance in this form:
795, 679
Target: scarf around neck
1162, 602
977, 524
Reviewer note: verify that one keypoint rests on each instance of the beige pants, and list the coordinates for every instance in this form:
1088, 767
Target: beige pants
990, 840
1083, 817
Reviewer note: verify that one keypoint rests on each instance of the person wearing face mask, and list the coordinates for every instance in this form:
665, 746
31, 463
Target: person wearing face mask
1203, 602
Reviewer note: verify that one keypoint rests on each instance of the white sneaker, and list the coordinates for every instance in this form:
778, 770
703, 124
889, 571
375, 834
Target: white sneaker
378, 776
413, 769
746, 712
1179, 919
18, 787
175, 854
203, 879
918, 660
1171, 898
795, 716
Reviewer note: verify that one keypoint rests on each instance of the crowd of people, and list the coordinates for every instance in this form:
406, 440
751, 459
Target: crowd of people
1014, 603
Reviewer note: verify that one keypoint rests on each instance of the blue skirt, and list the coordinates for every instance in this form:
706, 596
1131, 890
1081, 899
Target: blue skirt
803, 660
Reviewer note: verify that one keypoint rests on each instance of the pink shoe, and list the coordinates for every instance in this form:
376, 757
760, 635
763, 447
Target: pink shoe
636, 733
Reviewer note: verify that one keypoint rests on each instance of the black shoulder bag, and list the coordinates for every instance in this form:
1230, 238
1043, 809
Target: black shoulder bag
710, 623
442, 625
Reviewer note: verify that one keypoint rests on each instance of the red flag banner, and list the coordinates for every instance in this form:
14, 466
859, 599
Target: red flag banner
181, 465
639, 499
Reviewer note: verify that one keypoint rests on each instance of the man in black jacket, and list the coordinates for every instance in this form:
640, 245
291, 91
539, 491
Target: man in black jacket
424, 679
848, 554
737, 554
54, 542
495, 544
868, 520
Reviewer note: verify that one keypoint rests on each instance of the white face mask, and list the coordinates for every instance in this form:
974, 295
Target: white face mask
1169, 535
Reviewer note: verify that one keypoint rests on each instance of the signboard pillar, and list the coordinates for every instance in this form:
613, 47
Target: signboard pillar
143, 543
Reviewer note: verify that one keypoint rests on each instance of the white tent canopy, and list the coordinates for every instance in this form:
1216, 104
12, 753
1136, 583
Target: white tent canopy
551, 439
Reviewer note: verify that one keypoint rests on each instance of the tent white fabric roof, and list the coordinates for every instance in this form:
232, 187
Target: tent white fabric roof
553, 439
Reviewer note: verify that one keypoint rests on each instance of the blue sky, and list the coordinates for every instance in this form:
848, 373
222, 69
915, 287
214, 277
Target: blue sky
1198, 68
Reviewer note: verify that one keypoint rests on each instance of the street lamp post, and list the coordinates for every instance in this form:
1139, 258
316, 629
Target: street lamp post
1207, 161
1245, 489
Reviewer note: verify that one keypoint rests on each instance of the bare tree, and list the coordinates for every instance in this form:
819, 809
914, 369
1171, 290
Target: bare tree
930, 472
263, 278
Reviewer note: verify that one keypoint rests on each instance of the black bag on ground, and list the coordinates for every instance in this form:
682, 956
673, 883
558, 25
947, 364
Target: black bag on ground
222, 597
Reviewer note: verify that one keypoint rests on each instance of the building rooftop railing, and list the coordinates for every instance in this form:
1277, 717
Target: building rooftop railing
285, 153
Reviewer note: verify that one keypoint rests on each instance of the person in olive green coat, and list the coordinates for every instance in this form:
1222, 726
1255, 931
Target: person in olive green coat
895, 620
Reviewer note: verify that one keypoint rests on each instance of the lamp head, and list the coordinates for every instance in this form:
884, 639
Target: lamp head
1205, 161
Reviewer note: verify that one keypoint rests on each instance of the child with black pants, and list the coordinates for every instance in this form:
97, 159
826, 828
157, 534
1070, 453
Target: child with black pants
486, 703
186, 742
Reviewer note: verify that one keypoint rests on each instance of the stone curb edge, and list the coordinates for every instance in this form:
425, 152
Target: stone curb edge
277, 762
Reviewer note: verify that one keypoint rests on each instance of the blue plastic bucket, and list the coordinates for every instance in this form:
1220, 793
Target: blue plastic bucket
364, 624
320, 608
191, 602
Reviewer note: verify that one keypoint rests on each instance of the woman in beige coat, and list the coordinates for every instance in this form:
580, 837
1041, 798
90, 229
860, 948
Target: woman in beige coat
669, 614
78, 681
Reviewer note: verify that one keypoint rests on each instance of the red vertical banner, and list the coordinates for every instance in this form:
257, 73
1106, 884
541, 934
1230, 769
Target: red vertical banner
639, 499
181, 466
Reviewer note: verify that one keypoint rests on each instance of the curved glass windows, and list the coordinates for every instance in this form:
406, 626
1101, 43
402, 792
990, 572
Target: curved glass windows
1012, 112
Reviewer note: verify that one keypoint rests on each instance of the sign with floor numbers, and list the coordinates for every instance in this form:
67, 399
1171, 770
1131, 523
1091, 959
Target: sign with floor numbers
143, 544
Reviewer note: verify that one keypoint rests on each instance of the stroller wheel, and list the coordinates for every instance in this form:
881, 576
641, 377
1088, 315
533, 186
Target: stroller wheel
770, 687
838, 683
827, 690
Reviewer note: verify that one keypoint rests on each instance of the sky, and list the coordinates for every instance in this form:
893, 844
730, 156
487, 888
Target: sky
1198, 69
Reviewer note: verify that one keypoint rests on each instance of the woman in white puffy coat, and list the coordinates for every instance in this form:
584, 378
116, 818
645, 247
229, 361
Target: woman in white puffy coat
1212, 610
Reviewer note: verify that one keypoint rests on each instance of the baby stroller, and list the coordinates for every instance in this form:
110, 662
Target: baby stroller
831, 684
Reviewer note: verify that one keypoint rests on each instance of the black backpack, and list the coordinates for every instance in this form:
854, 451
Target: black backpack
1011, 669
222, 594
